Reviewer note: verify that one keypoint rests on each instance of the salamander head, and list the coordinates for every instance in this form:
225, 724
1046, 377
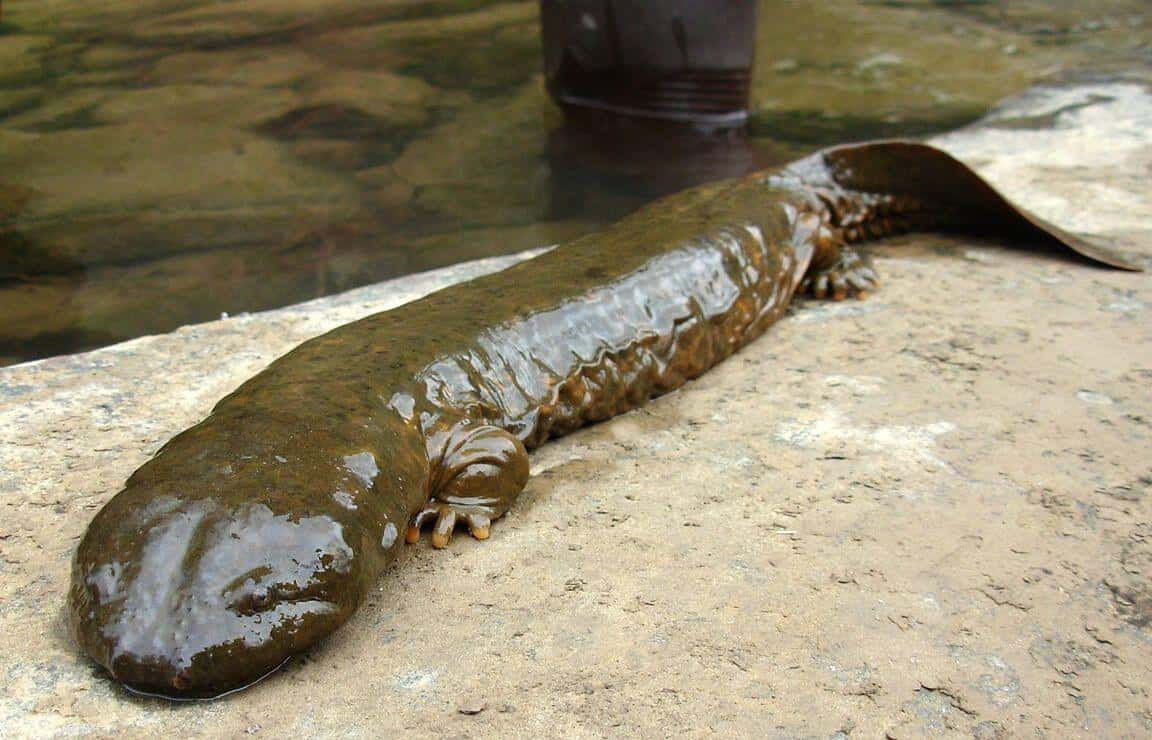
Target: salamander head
190, 599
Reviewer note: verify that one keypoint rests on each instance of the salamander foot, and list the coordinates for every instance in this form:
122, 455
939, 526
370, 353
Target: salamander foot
850, 276
446, 517
480, 472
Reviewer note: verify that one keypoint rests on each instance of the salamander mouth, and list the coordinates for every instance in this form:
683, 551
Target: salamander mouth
228, 666
180, 685
171, 696
202, 601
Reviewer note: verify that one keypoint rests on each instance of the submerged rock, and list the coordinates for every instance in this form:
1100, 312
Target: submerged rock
136, 191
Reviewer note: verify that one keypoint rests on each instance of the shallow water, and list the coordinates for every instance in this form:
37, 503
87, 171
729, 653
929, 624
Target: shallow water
166, 161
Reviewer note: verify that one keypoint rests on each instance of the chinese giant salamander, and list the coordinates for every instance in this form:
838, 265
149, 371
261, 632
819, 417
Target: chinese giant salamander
258, 531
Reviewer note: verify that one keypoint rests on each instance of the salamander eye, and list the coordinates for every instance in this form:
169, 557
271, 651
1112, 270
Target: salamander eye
288, 592
250, 598
260, 599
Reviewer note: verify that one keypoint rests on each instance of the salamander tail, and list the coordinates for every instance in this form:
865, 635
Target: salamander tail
931, 189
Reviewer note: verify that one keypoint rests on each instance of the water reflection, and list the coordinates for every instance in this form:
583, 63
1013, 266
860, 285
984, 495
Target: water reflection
605, 164
162, 163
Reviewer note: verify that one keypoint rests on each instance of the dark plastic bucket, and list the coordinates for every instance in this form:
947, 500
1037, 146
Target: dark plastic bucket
675, 60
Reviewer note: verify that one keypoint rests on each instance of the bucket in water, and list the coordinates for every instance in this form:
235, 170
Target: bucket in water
675, 60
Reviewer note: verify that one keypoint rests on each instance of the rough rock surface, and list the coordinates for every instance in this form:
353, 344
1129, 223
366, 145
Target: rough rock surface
923, 514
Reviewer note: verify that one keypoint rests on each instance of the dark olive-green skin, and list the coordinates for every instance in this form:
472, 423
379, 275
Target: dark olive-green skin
259, 531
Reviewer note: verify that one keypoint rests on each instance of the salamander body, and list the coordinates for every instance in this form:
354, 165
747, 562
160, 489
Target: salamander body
257, 532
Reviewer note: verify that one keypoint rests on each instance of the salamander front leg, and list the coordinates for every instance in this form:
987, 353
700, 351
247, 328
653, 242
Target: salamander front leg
850, 275
481, 472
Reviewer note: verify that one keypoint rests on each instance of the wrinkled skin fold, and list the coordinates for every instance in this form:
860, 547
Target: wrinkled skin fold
257, 532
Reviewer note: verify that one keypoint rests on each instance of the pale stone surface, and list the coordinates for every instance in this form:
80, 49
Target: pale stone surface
922, 514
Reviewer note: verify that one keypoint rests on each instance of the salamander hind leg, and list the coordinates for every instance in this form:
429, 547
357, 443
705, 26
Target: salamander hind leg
479, 474
849, 274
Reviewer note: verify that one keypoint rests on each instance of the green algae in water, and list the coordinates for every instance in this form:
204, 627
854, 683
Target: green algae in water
819, 129
462, 155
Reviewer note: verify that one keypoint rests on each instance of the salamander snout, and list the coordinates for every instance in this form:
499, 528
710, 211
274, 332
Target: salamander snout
186, 599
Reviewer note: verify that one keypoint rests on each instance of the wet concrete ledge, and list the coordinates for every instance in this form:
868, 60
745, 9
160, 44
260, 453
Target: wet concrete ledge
926, 513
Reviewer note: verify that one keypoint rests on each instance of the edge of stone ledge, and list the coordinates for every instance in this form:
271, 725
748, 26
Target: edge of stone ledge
347, 305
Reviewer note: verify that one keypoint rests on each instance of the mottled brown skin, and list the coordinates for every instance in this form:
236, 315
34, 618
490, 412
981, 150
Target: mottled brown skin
257, 532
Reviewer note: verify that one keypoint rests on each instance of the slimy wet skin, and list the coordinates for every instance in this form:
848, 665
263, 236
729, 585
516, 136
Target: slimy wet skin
256, 533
